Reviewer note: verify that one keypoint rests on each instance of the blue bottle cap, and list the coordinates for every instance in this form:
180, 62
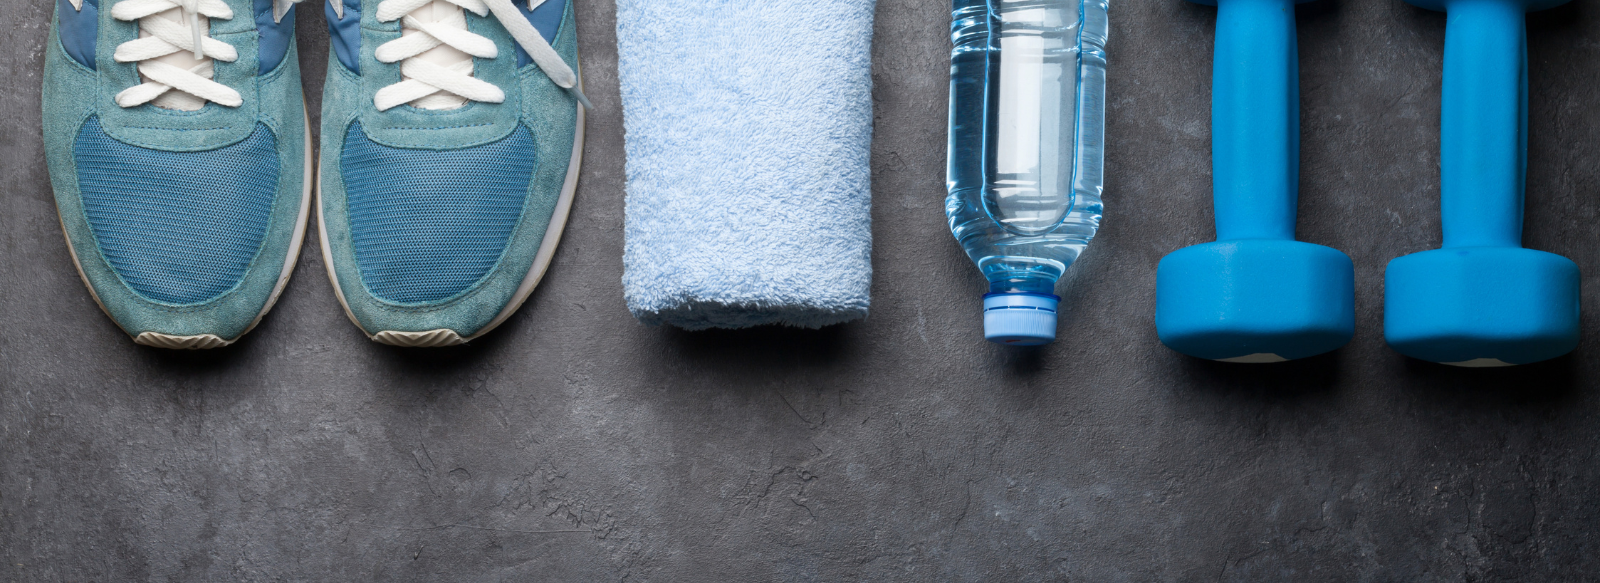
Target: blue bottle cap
1020, 319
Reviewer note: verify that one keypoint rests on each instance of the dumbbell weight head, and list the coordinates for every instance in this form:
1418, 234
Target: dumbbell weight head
1255, 300
1481, 306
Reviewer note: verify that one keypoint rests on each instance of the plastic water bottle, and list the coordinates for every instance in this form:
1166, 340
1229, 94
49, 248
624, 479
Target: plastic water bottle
1027, 124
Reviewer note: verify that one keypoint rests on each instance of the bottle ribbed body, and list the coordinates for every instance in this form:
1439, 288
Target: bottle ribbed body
1027, 118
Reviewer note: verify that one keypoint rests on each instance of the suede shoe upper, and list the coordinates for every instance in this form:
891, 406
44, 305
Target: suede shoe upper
182, 187
437, 209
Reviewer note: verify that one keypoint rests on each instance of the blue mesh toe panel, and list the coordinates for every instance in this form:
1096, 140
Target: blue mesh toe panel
428, 224
179, 227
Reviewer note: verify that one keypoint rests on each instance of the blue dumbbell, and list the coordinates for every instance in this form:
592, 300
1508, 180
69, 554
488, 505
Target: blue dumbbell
1483, 300
1256, 294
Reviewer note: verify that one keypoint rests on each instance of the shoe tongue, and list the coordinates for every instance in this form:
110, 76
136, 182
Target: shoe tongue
178, 100
442, 55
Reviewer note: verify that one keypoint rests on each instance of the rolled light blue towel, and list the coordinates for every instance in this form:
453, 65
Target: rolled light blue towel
749, 130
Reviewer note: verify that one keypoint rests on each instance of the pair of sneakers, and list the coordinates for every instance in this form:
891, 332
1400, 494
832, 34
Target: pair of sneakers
180, 153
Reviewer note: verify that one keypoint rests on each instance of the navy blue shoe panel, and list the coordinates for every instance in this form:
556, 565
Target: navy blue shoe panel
546, 19
275, 35
344, 34
77, 30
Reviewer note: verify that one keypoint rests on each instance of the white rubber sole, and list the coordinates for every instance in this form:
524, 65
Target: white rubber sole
541, 263
1257, 358
1479, 363
207, 341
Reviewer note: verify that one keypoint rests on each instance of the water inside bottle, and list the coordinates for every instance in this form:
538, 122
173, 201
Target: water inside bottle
1027, 98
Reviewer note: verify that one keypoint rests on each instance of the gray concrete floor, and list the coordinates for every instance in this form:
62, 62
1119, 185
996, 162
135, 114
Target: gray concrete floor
576, 445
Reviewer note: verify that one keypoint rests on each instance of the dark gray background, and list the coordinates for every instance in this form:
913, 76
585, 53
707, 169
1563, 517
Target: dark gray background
575, 444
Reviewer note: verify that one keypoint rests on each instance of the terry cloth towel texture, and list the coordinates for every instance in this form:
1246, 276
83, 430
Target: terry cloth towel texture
749, 130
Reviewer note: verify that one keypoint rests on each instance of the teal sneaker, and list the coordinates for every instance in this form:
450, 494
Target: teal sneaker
178, 147
452, 131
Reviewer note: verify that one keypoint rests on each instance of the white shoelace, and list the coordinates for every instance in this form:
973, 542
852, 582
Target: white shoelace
435, 52
176, 54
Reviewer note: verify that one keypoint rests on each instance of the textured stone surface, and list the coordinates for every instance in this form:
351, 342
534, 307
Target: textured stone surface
577, 445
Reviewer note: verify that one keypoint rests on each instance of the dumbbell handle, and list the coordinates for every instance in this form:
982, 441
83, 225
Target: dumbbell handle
1484, 132
1255, 120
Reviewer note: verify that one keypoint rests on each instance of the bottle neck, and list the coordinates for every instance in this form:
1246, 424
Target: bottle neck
1032, 285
